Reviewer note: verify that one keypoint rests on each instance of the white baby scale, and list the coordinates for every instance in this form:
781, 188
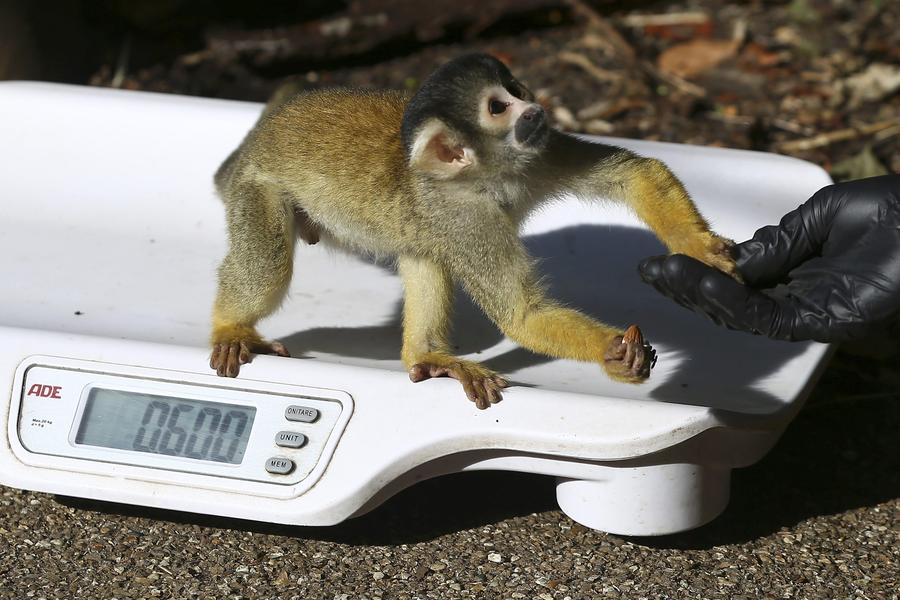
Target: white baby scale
110, 235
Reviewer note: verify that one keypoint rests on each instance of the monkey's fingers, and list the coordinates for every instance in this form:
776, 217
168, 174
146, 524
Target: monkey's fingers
215, 357
219, 359
418, 373
276, 348
255, 347
227, 357
500, 382
486, 393
629, 357
493, 389
480, 389
244, 354
480, 395
422, 371
480, 385
719, 254
616, 350
633, 335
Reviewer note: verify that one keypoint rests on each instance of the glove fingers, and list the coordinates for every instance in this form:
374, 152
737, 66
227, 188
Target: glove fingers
673, 287
698, 287
710, 292
766, 259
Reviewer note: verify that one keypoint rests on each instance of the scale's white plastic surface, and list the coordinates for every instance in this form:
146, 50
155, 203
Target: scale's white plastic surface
110, 235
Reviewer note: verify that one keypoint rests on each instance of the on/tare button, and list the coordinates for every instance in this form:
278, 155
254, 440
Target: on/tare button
279, 465
303, 414
290, 439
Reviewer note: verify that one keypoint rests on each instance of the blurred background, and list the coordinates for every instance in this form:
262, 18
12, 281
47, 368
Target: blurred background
816, 79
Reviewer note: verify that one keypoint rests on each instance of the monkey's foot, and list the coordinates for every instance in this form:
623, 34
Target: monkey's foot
629, 357
227, 357
482, 386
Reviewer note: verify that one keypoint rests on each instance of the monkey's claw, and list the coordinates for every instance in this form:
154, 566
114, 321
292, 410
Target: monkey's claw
629, 357
227, 357
482, 386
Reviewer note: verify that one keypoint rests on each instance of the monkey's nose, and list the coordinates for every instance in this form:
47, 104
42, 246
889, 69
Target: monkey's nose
533, 113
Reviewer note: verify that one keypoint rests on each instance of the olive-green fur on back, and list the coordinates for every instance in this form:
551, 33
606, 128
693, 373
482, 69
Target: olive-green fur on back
328, 150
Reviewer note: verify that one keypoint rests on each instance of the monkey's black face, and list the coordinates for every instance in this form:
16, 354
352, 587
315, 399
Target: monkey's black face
491, 119
512, 126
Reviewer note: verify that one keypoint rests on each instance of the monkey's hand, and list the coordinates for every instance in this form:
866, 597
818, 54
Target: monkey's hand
629, 357
482, 386
716, 252
230, 352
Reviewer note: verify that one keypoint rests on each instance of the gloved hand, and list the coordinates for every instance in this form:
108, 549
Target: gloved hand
830, 271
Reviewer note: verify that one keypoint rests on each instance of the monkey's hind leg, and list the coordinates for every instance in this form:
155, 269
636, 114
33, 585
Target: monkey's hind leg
426, 319
253, 277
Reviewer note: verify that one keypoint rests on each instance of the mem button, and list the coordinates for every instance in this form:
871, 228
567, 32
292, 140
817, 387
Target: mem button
303, 414
290, 439
279, 465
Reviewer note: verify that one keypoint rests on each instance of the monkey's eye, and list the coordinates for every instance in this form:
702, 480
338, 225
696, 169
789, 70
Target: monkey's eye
496, 107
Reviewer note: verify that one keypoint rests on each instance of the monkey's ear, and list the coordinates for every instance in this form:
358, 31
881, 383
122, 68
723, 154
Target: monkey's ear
437, 151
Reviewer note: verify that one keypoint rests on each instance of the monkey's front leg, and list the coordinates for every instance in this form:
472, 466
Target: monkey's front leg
566, 333
649, 187
660, 200
426, 322
511, 296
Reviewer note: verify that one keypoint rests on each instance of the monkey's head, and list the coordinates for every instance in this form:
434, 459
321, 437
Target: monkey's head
471, 115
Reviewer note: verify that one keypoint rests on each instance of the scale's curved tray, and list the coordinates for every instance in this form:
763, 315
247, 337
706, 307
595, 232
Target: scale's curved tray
109, 228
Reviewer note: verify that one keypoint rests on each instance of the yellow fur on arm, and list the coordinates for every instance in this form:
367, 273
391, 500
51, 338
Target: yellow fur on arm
427, 307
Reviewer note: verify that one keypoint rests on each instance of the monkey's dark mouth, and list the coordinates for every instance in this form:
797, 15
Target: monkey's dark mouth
535, 137
531, 127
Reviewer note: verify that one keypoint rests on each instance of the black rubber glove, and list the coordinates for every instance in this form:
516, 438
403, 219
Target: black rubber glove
830, 271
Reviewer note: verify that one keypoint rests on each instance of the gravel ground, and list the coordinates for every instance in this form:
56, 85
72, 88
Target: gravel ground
818, 518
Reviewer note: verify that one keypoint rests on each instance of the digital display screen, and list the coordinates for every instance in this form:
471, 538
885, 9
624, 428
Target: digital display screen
155, 424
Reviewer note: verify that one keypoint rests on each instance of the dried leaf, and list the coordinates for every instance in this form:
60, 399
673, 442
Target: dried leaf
878, 81
757, 56
859, 166
695, 57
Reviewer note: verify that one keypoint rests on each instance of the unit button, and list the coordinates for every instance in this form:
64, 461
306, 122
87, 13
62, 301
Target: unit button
303, 414
279, 465
290, 439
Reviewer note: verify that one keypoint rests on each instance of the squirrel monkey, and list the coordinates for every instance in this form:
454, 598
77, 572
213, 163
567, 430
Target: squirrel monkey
441, 181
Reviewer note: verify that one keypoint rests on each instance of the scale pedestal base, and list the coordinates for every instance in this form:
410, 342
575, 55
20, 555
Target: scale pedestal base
650, 500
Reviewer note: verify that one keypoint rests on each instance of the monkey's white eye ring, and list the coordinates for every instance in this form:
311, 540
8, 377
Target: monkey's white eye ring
496, 107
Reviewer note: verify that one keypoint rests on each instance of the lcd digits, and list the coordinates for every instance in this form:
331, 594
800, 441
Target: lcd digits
166, 425
168, 436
